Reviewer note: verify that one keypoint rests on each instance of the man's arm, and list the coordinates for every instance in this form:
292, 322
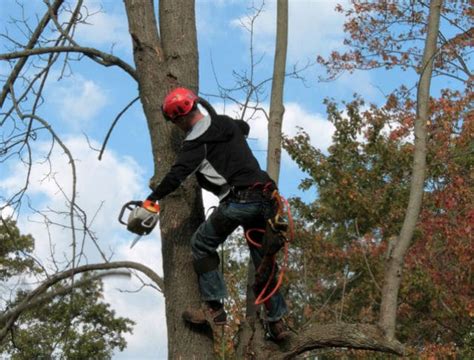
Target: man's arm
188, 161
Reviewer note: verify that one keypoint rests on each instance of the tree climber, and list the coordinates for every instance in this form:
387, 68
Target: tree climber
216, 150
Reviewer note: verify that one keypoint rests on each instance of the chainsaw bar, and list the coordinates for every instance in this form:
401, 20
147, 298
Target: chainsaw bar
137, 238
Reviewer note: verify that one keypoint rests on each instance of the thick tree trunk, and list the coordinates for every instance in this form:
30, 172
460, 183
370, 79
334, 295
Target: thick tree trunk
276, 103
162, 64
393, 273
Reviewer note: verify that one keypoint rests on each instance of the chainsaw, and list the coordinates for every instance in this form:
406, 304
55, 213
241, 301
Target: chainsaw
143, 217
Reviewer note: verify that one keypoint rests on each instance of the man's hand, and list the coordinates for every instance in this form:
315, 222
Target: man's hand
152, 197
153, 183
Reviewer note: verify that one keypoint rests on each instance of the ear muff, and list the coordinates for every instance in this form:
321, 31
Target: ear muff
167, 118
206, 105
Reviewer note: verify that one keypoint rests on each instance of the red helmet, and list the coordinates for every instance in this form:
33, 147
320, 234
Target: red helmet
178, 102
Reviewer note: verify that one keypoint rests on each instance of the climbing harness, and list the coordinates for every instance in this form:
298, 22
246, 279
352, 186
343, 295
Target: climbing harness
278, 233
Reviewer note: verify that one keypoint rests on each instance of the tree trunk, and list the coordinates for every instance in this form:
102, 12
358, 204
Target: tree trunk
393, 273
276, 103
162, 64
274, 150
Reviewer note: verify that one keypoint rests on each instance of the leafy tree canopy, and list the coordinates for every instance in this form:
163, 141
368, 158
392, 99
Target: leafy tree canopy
73, 325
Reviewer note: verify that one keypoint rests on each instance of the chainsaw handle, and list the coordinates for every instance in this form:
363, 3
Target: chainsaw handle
128, 206
151, 206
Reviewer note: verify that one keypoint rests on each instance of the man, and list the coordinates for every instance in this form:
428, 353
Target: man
216, 151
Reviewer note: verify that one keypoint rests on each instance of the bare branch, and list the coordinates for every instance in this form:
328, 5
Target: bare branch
8, 318
31, 43
96, 55
117, 118
50, 295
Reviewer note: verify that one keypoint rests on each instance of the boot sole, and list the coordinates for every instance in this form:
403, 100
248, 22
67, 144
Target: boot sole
203, 322
281, 337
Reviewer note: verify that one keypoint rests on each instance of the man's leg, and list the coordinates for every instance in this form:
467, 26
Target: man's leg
275, 306
204, 243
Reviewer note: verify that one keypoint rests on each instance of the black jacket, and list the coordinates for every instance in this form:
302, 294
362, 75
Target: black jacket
217, 152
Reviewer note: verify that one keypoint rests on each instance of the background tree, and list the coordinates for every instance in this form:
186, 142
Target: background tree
363, 186
42, 331
276, 101
382, 34
394, 268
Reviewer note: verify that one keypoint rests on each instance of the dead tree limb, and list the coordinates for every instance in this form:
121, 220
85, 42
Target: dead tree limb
8, 318
31, 43
117, 118
60, 291
105, 59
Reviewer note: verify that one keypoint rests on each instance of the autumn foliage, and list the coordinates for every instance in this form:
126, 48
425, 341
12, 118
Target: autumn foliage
389, 34
362, 189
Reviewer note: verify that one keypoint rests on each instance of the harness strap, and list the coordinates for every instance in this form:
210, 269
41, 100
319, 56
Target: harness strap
278, 233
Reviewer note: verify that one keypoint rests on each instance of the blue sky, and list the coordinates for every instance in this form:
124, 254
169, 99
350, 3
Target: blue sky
87, 101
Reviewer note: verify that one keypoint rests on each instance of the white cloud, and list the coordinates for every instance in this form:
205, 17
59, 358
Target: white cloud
316, 125
7, 212
106, 27
146, 307
318, 128
111, 182
360, 82
313, 28
106, 185
77, 99
210, 200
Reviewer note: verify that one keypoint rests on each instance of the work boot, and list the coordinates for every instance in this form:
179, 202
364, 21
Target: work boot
277, 330
208, 314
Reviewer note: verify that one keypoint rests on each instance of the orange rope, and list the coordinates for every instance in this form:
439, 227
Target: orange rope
283, 206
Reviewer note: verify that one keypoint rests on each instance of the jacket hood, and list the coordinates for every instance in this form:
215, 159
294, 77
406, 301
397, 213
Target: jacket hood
210, 130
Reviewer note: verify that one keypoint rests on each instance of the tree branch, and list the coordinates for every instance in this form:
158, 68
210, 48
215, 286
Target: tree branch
354, 336
50, 295
8, 318
96, 55
31, 43
117, 118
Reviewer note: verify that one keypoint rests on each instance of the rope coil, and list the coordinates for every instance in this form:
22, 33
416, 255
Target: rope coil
277, 223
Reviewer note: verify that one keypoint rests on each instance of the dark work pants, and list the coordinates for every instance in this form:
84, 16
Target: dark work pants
214, 231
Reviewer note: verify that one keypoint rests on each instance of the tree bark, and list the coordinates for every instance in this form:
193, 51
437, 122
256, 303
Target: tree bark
276, 103
393, 272
247, 330
162, 64
341, 335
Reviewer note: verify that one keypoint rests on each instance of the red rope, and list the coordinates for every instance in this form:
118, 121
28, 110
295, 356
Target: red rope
283, 206
249, 239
